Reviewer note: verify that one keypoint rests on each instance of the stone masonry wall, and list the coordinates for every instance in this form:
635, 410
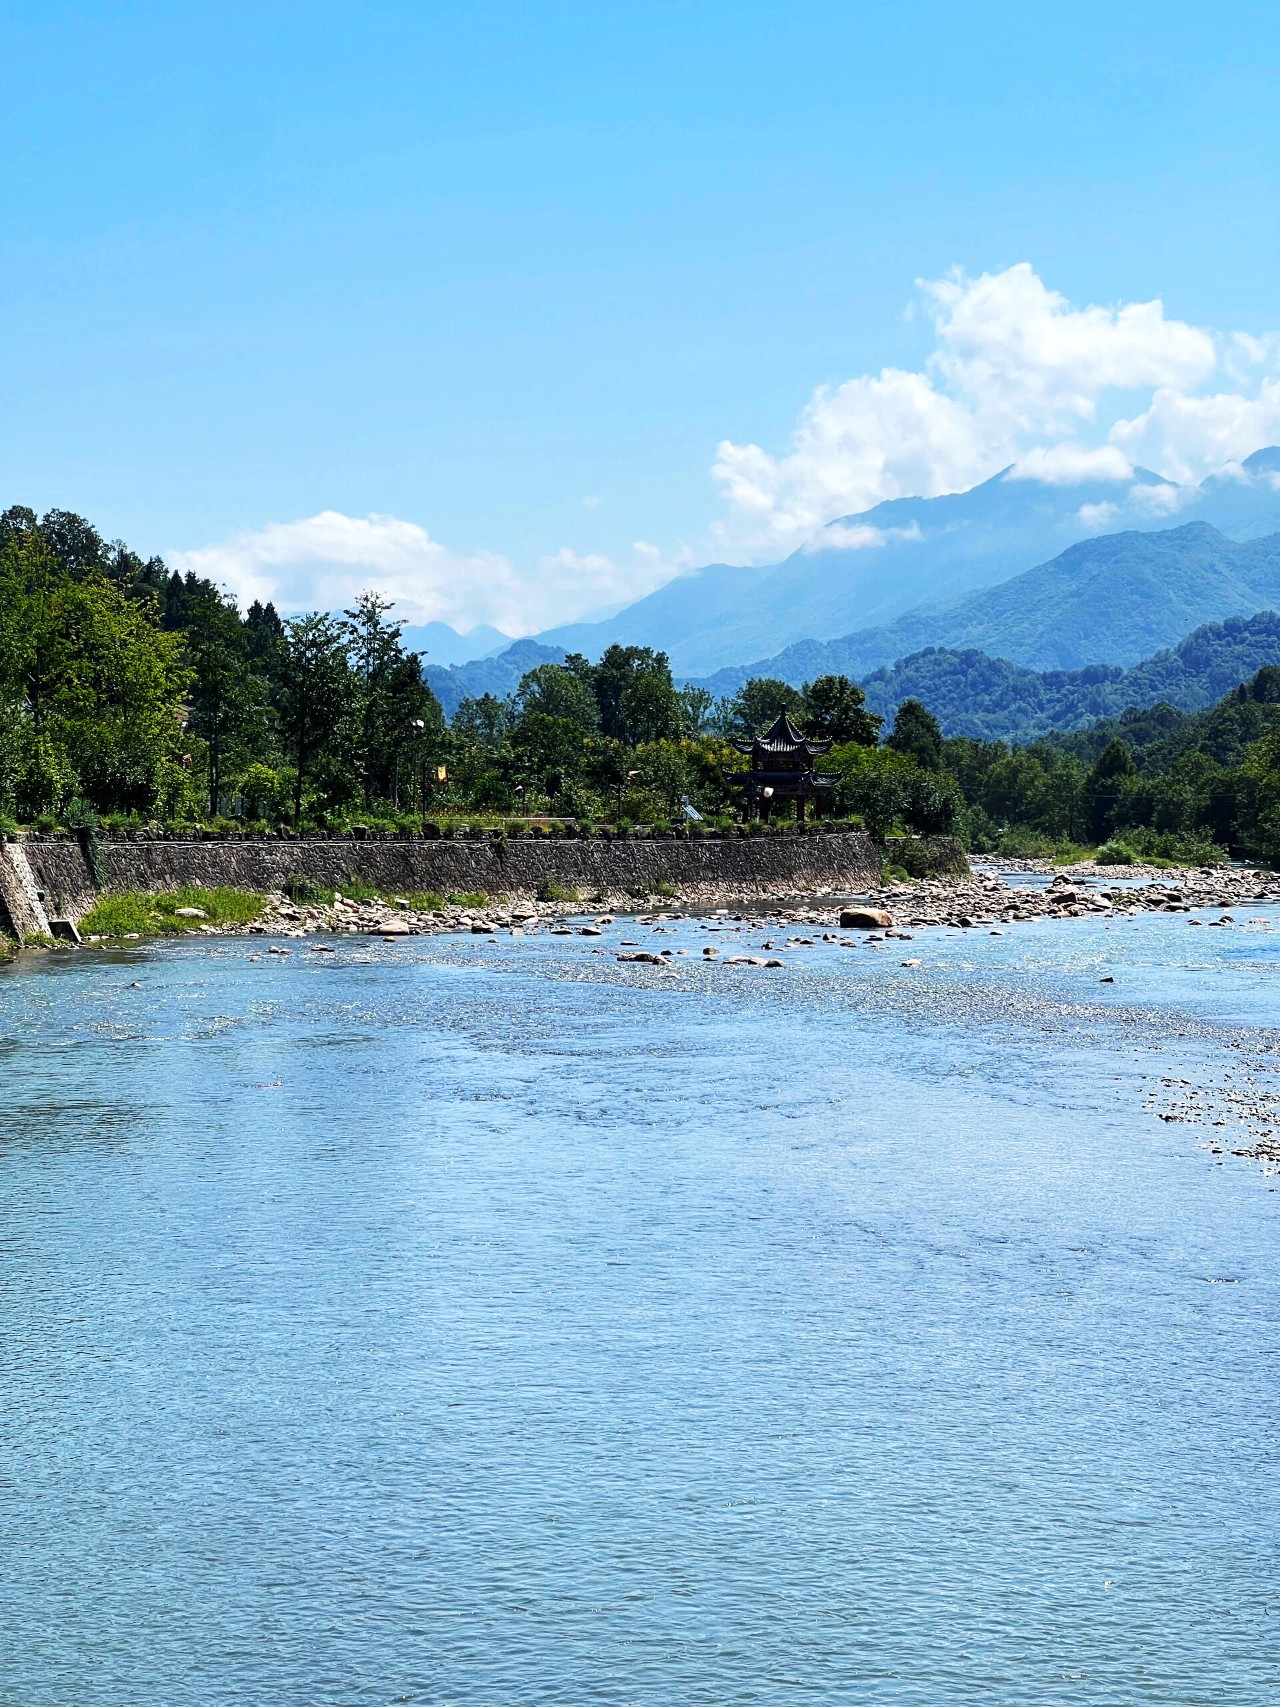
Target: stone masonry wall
741, 866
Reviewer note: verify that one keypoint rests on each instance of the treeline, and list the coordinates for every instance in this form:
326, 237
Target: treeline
1158, 781
129, 692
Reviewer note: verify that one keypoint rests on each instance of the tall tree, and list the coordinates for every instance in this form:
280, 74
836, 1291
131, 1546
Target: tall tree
316, 698
555, 691
390, 700
835, 709
916, 733
1104, 786
623, 668
758, 703
229, 711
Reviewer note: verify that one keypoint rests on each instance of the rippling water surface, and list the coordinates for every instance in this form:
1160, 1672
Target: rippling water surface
481, 1321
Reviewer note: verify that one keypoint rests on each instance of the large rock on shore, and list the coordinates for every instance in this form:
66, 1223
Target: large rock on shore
864, 919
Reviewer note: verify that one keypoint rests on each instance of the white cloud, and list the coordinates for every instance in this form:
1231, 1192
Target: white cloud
1097, 515
1017, 375
1160, 498
1020, 352
1188, 435
879, 436
859, 536
1068, 464
325, 561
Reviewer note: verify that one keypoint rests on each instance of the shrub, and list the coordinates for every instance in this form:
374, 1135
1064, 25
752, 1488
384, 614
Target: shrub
1113, 853
1143, 845
551, 889
356, 890
1019, 842
303, 891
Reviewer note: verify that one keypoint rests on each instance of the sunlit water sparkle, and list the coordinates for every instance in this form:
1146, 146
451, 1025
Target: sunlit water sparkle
481, 1321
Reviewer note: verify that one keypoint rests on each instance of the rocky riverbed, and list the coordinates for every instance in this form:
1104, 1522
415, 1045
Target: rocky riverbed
987, 899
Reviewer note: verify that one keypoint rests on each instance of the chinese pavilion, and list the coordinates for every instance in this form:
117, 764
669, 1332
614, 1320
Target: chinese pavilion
782, 769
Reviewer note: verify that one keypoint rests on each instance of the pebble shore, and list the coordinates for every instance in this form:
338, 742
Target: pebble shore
984, 899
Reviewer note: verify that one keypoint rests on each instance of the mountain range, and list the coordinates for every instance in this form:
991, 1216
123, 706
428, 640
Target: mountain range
1110, 599
866, 571
443, 645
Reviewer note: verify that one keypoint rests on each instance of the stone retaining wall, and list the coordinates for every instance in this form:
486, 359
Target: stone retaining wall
702, 867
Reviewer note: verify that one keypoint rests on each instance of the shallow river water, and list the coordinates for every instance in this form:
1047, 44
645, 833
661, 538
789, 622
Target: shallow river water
483, 1321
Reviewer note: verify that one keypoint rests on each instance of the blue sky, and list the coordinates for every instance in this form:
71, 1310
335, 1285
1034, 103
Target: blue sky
508, 275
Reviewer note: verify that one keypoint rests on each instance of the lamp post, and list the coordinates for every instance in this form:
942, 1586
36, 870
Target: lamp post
420, 726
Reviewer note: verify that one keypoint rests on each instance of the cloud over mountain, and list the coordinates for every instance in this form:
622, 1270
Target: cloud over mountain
324, 561
1017, 377
1017, 374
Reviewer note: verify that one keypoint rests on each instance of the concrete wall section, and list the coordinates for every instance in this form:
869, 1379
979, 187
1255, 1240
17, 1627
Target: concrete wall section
22, 913
745, 866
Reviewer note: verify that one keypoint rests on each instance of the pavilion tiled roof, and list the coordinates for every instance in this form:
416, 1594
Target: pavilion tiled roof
784, 738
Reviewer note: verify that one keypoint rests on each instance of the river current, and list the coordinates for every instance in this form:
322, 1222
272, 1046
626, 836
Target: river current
481, 1321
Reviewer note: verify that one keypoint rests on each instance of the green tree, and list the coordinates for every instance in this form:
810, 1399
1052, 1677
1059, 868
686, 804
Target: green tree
229, 708
651, 708
118, 697
932, 803
1104, 788
873, 784
484, 722
550, 751
757, 704
835, 709
916, 733
391, 704
621, 669
554, 691
665, 773
316, 702
697, 710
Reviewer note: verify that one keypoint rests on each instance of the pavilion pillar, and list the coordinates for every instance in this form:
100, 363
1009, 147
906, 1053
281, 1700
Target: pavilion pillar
799, 808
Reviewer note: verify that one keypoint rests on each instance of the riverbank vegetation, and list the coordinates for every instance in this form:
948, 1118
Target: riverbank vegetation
130, 696
172, 913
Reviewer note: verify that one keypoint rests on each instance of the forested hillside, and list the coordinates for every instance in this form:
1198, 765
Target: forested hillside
971, 693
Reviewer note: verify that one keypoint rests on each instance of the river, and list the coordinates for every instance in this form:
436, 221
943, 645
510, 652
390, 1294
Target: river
481, 1321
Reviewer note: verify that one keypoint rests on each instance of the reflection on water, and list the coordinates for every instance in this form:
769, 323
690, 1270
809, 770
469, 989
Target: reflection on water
483, 1321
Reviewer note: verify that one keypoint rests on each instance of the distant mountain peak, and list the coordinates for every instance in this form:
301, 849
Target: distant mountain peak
1264, 461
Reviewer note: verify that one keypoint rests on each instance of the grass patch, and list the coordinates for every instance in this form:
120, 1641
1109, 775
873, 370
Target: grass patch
1072, 853
305, 892
354, 890
117, 916
421, 900
470, 898
551, 889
